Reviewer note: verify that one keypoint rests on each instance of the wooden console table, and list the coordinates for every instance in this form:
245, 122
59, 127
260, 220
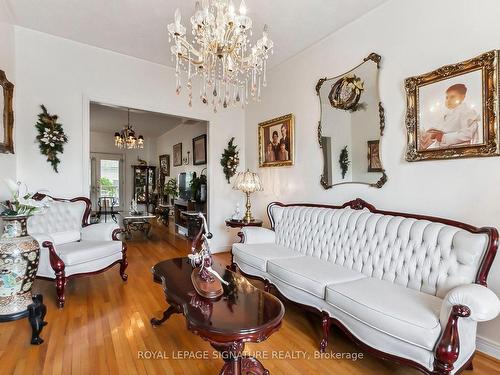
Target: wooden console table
242, 314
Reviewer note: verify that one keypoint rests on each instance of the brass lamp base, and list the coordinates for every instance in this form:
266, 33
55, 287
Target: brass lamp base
248, 214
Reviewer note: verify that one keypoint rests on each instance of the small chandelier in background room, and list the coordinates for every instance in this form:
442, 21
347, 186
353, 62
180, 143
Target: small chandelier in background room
229, 67
126, 139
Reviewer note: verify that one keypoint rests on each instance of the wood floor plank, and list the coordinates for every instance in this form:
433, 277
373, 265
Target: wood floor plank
104, 329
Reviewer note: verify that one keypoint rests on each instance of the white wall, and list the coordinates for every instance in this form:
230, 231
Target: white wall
411, 40
65, 75
183, 133
105, 143
7, 64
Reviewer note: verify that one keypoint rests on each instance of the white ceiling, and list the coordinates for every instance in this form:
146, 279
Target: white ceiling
138, 27
110, 119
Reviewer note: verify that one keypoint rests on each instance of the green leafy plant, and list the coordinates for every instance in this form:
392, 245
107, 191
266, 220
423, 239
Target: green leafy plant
107, 187
50, 136
344, 161
230, 160
195, 186
171, 189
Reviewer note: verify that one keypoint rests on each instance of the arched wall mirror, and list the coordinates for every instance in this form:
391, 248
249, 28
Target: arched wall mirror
351, 126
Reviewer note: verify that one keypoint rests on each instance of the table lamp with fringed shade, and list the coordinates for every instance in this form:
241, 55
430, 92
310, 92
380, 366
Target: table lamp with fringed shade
248, 182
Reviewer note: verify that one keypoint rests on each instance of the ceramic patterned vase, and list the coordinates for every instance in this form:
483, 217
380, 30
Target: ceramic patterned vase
19, 255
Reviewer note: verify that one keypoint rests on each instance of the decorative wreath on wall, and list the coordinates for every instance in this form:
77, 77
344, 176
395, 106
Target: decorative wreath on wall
51, 137
230, 160
346, 92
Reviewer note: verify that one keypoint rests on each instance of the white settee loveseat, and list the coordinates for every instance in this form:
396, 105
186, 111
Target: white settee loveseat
70, 246
405, 287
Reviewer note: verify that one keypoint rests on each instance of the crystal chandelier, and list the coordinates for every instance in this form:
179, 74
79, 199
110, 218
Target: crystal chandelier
126, 139
230, 68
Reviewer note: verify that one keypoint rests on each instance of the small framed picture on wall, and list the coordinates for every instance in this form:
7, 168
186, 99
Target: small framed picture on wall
177, 151
276, 142
374, 164
165, 165
200, 150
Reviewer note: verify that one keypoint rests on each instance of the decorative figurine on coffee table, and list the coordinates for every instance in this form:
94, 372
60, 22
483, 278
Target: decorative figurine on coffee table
206, 281
19, 255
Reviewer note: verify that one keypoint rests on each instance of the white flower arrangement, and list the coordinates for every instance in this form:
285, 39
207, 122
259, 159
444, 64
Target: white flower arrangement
22, 203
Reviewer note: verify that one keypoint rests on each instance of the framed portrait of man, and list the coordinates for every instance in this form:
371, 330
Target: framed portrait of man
200, 150
449, 112
177, 151
276, 142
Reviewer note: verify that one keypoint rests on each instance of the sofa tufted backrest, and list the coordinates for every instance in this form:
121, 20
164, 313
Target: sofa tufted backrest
59, 217
420, 254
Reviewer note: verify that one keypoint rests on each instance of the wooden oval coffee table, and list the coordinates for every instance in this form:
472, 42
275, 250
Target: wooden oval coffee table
242, 314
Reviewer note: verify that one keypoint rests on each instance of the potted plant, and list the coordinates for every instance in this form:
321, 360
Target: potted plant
196, 188
171, 190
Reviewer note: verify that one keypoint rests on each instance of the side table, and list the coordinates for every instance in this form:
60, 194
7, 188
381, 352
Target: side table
241, 224
232, 223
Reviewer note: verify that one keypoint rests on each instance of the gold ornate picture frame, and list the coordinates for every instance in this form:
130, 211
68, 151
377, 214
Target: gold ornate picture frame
277, 142
452, 112
7, 119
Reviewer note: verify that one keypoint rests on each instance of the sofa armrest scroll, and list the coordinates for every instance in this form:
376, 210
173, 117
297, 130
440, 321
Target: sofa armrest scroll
480, 300
254, 235
100, 232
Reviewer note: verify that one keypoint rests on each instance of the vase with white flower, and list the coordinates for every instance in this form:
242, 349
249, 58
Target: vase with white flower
19, 254
17, 210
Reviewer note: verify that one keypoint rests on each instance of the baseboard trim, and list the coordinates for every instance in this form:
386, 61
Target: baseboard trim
488, 347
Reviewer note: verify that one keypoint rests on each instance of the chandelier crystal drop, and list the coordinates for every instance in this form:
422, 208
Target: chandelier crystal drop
126, 139
231, 70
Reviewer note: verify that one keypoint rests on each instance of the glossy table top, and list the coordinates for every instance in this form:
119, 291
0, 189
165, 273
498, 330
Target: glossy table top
243, 310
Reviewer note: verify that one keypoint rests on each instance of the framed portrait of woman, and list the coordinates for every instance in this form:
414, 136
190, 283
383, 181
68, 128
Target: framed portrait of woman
276, 142
449, 112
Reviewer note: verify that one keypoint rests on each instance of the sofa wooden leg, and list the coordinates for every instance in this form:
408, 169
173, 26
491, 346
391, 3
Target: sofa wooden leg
448, 347
60, 284
470, 366
325, 320
124, 263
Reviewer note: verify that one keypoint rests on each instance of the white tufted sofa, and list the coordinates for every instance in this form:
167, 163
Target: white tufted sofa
406, 288
70, 247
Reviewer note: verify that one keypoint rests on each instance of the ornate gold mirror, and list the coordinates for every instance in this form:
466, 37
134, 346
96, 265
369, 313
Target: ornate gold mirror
7, 119
351, 125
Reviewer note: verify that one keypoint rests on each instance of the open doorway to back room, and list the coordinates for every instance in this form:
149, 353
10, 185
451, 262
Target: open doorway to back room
147, 169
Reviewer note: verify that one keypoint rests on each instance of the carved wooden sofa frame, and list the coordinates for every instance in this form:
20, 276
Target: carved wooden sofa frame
447, 349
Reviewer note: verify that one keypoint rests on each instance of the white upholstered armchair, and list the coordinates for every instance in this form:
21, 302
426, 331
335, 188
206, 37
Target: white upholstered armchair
70, 247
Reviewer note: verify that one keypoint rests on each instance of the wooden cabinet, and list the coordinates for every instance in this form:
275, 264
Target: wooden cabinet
144, 184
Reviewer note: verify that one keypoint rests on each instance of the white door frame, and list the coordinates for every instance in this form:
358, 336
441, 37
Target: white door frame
86, 178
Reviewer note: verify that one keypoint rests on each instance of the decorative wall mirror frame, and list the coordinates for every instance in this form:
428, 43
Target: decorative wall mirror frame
7, 120
351, 125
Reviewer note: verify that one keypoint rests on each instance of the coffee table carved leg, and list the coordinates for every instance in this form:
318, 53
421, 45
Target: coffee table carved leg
37, 311
166, 314
237, 364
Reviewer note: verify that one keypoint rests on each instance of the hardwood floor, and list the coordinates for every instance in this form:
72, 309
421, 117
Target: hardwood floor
104, 329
